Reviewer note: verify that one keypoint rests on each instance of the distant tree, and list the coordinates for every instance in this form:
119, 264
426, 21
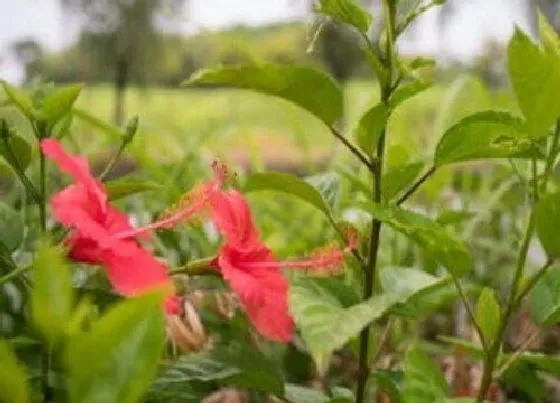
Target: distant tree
125, 34
30, 54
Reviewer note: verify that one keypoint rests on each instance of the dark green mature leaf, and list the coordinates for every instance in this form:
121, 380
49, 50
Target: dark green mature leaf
548, 221
408, 91
486, 134
488, 315
52, 293
545, 362
122, 187
398, 178
14, 387
370, 127
59, 102
20, 99
15, 150
429, 235
236, 365
325, 323
545, 299
423, 380
12, 227
310, 89
289, 184
117, 359
523, 376
389, 382
535, 78
346, 12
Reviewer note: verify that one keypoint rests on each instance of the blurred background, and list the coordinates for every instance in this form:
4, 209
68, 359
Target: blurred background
133, 54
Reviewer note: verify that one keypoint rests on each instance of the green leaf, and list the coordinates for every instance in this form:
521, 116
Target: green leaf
547, 217
52, 293
99, 124
429, 235
14, 149
449, 217
545, 362
117, 359
234, 365
20, 99
122, 187
407, 91
14, 387
59, 102
300, 394
548, 35
310, 89
486, 134
12, 227
523, 376
474, 350
346, 12
325, 323
545, 299
423, 380
286, 183
409, 282
328, 186
370, 127
389, 382
487, 315
399, 178
535, 78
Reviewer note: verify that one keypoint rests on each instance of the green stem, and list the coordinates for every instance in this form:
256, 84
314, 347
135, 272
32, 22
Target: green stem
470, 311
353, 149
197, 267
14, 273
533, 281
492, 354
370, 271
551, 158
416, 185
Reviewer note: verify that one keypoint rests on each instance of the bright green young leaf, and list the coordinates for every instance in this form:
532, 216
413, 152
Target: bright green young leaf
429, 235
12, 227
545, 299
122, 187
310, 89
548, 36
325, 323
450, 217
472, 349
111, 132
409, 282
485, 134
398, 178
52, 293
14, 149
346, 12
488, 315
20, 99
117, 359
286, 183
59, 102
370, 127
548, 221
535, 78
14, 387
234, 365
423, 380
408, 91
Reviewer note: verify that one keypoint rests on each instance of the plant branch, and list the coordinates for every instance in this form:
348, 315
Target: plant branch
533, 281
470, 311
416, 185
515, 356
353, 149
13, 274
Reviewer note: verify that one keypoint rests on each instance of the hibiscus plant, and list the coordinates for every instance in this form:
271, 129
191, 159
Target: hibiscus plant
105, 301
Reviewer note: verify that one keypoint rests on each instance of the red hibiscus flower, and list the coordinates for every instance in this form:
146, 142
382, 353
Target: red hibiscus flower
103, 235
252, 271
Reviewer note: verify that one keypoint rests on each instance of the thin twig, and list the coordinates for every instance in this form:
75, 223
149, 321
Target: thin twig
533, 281
470, 311
515, 356
416, 185
353, 149
14, 273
